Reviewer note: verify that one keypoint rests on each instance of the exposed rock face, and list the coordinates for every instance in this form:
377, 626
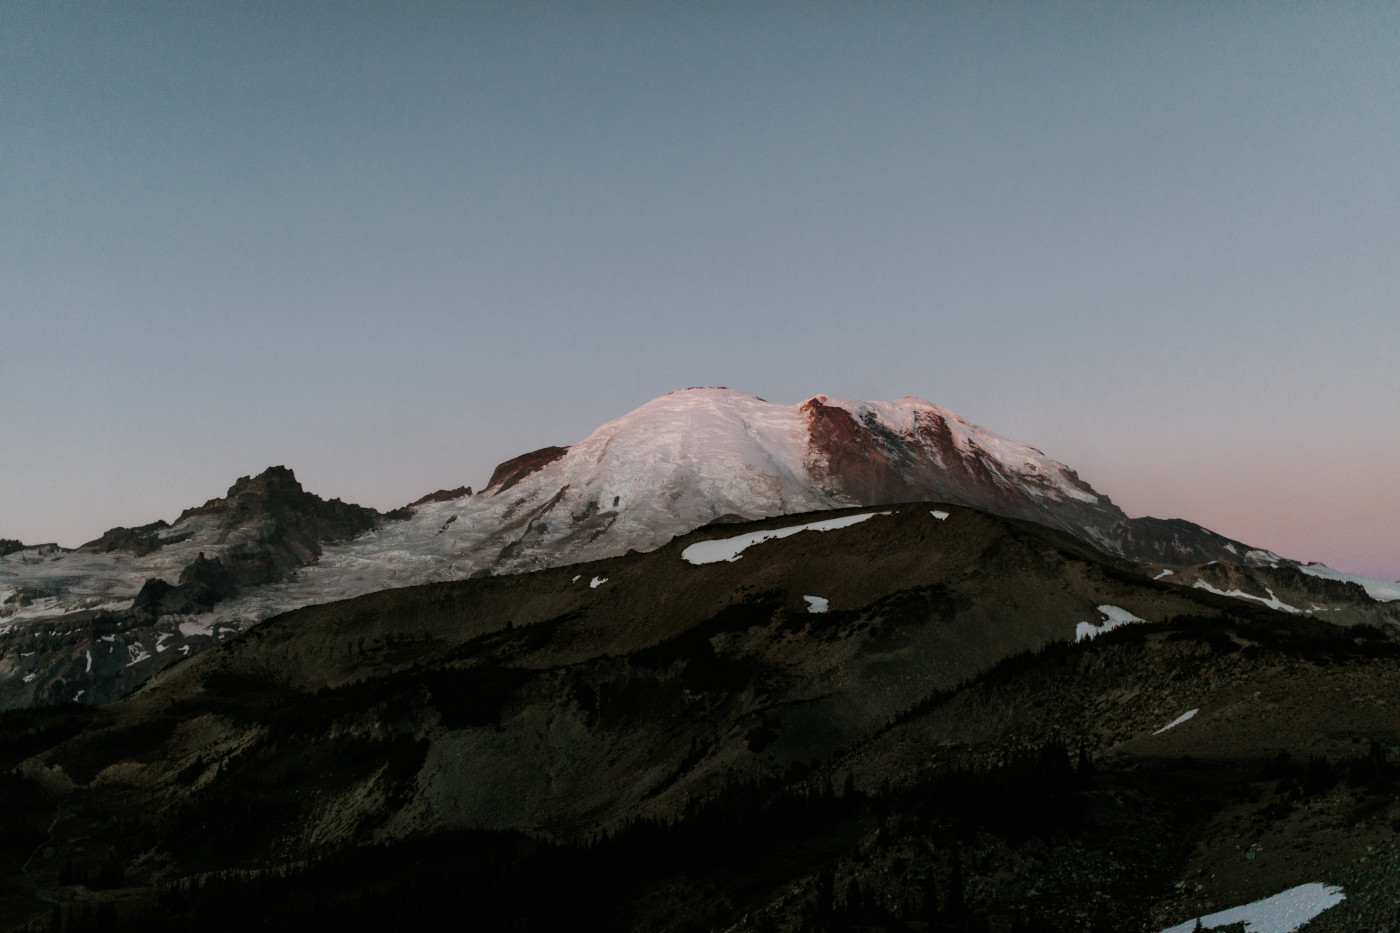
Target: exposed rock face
203, 583
938, 458
442, 495
515, 469
1176, 541
305, 520
291, 524
138, 541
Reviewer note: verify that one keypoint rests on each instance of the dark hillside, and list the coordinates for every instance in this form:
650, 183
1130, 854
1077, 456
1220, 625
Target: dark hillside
645, 743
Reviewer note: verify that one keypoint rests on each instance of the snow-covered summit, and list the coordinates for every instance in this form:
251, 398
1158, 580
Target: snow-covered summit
701, 454
698, 454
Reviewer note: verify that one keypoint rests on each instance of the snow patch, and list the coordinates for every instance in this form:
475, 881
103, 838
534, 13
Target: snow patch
1231, 549
597, 582
730, 549
78, 696
88, 670
939, 514
1177, 721
1273, 602
29, 678
1165, 573
817, 604
1282, 913
1114, 617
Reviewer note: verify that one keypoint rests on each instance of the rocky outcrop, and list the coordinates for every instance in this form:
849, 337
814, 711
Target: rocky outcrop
515, 469
203, 584
861, 458
442, 495
288, 525
138, 541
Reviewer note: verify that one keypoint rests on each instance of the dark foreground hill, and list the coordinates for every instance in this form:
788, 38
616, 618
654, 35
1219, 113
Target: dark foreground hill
888, 725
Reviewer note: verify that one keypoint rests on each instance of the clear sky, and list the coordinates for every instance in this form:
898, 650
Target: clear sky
392, 244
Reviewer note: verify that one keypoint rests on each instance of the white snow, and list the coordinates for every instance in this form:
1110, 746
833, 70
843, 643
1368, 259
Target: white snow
817, 604
1383, 590
1231, 549
1273, 602
939, 514
185, 650
1165, 573
88, 669
29, 678
160, 642
1177, 721
1268, 557
77, 696
1114, 617
576, 578
1282, 913
597, 582
730, 549
204, 625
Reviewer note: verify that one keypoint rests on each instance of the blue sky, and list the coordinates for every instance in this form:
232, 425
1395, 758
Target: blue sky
390, 245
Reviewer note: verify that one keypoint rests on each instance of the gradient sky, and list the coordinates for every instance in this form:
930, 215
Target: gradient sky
390, 245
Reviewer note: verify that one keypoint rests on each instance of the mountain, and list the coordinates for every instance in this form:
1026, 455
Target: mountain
110, 606
902, 717
112, 610
710, 454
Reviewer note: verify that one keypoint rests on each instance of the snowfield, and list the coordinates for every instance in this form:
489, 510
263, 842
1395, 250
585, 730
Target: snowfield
1273, 602
1114, 617
1177, 721
730, 549
1282, 913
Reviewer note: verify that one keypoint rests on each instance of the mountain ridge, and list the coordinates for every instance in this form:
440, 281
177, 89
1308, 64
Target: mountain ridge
682, 461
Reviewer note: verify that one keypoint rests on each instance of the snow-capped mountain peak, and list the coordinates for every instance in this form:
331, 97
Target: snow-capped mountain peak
683, 460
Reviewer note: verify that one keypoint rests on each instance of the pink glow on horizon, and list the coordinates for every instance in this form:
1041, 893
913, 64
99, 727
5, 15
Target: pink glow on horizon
1353, 529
